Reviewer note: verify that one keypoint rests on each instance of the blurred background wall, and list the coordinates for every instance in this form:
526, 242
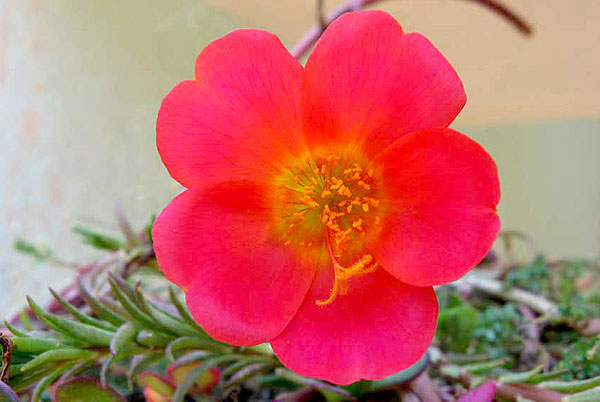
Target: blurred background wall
81, 82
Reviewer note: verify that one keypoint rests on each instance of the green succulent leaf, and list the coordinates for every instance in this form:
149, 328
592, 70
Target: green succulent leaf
54, 355
98, 240
85, 390
571, 386
35, 345
591, 395
14, 330
97, 307
127, 300
184, 312
125, 334
89, 334
44, 384
151, 338
76, 313
520, 377
456, 326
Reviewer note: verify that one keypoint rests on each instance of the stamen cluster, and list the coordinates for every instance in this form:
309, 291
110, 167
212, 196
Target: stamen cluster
341, 194
338, 195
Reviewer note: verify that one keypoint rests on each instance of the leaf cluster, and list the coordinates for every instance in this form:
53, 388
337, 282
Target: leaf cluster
124, 333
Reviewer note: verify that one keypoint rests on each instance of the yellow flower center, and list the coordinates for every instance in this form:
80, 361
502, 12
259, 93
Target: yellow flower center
333, 202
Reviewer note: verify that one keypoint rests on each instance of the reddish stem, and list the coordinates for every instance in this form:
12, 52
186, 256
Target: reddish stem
507, 14
313, 34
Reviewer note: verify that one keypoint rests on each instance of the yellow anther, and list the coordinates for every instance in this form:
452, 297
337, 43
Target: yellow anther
355, 168
342, 236
326, 193
365, 207
336, 183
342, 203
333, 226
345, 191
299, 215
364, 185
357, 224
309, 201
287, 243
356, 176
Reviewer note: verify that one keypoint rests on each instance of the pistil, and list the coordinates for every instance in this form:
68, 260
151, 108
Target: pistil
342, 274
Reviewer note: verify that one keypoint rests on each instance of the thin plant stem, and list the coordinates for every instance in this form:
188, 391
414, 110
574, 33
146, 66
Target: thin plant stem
311, 36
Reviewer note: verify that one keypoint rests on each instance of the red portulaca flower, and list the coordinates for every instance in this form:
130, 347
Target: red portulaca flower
323, 202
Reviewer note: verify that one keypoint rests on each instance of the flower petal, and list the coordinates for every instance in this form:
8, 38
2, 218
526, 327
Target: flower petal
241, 286
239, 118
444, 190
368, 82
378, 328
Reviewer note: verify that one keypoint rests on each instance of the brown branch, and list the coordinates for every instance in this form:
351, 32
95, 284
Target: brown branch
7, 349
493, 287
